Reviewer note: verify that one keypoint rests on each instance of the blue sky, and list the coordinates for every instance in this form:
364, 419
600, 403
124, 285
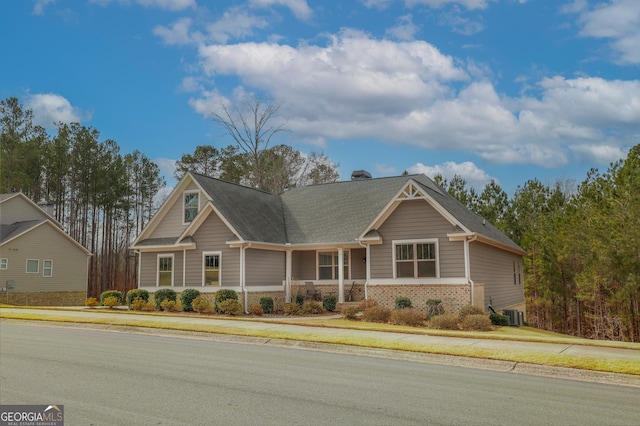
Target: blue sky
509, 90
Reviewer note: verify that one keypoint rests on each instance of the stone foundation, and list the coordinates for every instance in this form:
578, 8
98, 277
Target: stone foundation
454, 297
53, 298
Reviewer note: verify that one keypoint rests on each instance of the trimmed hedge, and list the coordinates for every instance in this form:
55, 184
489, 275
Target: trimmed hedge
498, 319
137, 293
329, 303
403, 303
266, 303
111, 293
164, 294
222, 295
187, 297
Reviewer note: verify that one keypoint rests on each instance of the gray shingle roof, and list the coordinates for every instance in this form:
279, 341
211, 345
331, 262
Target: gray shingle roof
255, 215
327, 213
9, 231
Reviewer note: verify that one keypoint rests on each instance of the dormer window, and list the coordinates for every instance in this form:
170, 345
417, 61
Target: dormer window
191, 206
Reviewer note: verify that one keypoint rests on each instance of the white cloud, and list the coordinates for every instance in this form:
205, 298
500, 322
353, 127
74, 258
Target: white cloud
235, 23
405, 29
173, 5
167, 167
357, 87
177, 34
474, 176
50, 109
38, 7
617, 20
469, 4
299, 8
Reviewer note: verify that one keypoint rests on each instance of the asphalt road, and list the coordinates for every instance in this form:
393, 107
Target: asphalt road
116, 378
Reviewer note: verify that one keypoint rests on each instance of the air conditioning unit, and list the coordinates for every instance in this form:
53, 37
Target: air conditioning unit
515, 317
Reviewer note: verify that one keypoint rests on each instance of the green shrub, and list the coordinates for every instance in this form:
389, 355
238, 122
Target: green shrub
224, 294
407, 316
136, 293
110, 301
498, 319
434, 307
230, 307
169, 305
186, 297
299, 299
349, 313
477, 322
444, 322
311, 308
376, 314
139, 304
256, 309
469, 310
91, 302
164, 294
329, 303
266, 303
202, 305
111, 293
403, 303
291, 309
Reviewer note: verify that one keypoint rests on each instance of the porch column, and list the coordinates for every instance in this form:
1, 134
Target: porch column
340, 275
368, 268
287, 278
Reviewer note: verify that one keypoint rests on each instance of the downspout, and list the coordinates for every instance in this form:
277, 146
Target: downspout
467, 265
243, 257
184, 268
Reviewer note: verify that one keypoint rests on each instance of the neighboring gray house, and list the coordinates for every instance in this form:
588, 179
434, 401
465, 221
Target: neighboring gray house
47, 266
396, 236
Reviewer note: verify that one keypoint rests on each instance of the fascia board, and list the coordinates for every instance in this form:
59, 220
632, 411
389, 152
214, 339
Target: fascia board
200, 218
164, 209
491, 242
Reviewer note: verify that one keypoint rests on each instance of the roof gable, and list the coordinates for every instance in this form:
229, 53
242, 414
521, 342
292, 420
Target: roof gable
16, 230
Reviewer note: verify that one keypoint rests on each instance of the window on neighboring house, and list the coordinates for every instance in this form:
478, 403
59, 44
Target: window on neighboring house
4, 263
517, 272
211, 268
191, 206
33, 266
165, 270
47, 268
328, 264
416, 259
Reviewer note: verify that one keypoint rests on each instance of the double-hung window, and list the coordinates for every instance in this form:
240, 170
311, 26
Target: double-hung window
165, 270
4, 263
328, 264
47, 268
416, 259
211, 268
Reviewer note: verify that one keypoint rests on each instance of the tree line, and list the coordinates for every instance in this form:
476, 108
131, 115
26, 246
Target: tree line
582, 267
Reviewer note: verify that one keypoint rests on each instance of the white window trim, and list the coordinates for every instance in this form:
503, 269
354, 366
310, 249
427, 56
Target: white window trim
4, 263
173, 269
44, 268
184, 207
334, 253
212, 253
420, 241
26, 266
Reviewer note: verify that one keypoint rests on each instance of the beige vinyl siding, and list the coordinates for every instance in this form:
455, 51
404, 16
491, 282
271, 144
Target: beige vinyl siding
415, 220
17, 209
494, 268
44, 242
304, 265
264, 267
149, 268
171, 224
212, 236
